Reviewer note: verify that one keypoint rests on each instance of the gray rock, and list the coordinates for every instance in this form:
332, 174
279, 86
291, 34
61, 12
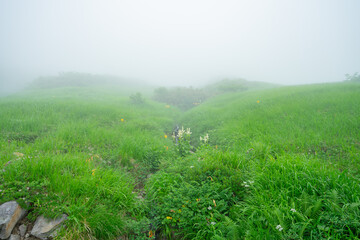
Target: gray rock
14, 237
22, 230
44, 227
10, 214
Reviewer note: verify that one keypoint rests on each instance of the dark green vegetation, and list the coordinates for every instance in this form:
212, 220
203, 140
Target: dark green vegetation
186, 98
280, 163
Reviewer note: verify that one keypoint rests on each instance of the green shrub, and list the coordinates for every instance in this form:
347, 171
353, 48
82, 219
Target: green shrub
182, 97
137, 99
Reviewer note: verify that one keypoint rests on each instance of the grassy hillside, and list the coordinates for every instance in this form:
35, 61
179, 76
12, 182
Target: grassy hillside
278, 164
82, 154
316, 120
290, 157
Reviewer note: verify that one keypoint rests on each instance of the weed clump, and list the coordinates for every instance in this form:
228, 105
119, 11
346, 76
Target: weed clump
137, 99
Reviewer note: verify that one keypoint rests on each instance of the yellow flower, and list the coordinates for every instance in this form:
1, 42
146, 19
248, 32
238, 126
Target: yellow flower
258, 101
90, 159
168, 217
183, 205
198, 199
93, 171
165, 136
167, 106
122, 119
19, 154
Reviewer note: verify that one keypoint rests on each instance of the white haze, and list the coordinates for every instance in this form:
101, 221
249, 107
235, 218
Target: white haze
187, 42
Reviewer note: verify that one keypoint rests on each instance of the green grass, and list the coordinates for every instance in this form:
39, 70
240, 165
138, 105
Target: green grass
317, 120
281, 163
301, 146
63, 139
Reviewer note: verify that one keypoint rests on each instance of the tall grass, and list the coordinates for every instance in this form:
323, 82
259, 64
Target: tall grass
318, 120
280, 163
81, 156
288, 156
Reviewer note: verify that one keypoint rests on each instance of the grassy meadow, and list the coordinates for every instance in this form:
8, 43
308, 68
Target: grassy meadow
277, 163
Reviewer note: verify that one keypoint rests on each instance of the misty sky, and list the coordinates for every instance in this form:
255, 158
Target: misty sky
182, 42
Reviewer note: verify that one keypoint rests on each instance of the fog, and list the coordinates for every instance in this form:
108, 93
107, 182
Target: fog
184, 42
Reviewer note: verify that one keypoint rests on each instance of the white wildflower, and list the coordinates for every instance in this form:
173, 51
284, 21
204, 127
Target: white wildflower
205, 138
293, 210
191, 166
181, 132
213, 223
279, 227
247, 185
209, 207
188, 131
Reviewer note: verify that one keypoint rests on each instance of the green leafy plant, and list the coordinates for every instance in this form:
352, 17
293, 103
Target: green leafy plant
137, 99
181, 138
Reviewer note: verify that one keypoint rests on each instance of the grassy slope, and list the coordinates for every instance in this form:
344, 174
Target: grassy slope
64, 136
321, 120
297, 148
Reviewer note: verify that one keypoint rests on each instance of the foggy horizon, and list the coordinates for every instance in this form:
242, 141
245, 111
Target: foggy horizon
181, 43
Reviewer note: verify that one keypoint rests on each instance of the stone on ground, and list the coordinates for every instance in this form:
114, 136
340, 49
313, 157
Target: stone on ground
10, 214
44, 227
14, 237
22, 230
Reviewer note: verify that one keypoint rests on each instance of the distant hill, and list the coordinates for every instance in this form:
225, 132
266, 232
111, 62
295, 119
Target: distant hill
236, 85
75, 79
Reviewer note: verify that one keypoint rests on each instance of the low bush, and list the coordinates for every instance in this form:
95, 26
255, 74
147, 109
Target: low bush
137, 99
182, 97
